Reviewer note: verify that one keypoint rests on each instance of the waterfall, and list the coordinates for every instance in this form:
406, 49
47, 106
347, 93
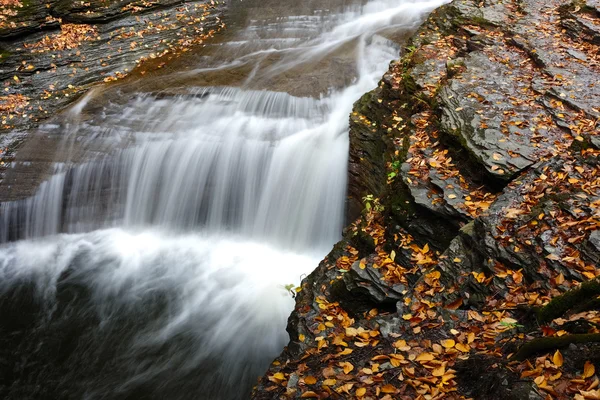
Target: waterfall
155, 259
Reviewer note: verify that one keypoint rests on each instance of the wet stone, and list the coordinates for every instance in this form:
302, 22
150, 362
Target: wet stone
473, 109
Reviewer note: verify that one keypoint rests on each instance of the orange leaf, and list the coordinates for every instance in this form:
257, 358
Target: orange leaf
360, 392
310, 380
448, 343
455, 304
588, 369
557, 359
308, 394
388, 389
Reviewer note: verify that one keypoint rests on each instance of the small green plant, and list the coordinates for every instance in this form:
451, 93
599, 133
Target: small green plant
395, 168
511, 325
372, 203
291, 289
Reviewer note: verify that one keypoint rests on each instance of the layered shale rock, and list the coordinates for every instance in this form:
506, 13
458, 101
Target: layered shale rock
476, 166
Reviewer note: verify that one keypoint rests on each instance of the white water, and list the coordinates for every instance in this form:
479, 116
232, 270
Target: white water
199, 209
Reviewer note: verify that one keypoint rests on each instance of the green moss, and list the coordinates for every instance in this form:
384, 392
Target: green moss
591, 305
585, 144
568, 300
546, 344
29, 7
400, 203
4, 55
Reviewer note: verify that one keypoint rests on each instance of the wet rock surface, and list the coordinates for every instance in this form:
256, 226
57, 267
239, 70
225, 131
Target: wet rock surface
51, 53
480, 152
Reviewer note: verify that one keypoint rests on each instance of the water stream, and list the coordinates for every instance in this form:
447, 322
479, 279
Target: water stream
151, 261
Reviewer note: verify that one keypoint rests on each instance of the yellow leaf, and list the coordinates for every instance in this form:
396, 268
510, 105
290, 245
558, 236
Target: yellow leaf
479, 277
346, 366
539, 380
329, 382
279, 376
588, 369
401, 345
557, 359
465, 348
439, 371
425, 357
360, 392
345, 352
425, 249
301, 337
555, 376
470, 337
310, 380
351, 332
448, 343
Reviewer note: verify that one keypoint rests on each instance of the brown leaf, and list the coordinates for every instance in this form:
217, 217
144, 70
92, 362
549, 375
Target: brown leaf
310, 380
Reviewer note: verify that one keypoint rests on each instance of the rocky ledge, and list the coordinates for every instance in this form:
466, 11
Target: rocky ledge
53, 51
471, 267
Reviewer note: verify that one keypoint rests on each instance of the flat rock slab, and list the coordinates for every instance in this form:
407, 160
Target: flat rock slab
488, 109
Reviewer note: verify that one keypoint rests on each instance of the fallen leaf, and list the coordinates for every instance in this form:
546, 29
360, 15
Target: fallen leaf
310, 380
388, 389
425, 357
588, 369
557, 359
346, 366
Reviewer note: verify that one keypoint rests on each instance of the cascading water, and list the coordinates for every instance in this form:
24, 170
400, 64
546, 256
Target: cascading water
153, 262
